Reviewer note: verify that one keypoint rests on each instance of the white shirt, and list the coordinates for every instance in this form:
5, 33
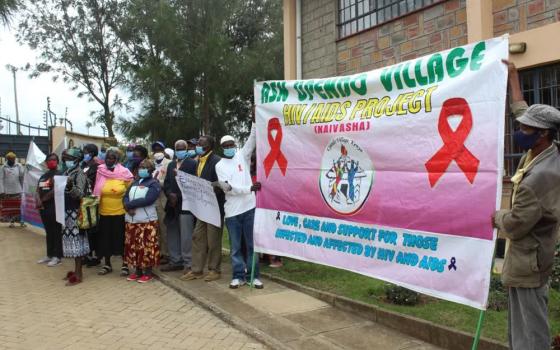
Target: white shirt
11, 179
237, 173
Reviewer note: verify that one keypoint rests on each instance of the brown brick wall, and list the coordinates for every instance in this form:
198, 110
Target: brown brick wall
512, 16
434, 29
318, 38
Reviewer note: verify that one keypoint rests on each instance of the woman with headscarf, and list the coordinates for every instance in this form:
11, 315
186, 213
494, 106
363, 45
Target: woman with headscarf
45, 204
111, 184
142, 232
74, 242
89, 167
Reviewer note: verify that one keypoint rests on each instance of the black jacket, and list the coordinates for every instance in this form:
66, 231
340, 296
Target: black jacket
170, 185
209, 173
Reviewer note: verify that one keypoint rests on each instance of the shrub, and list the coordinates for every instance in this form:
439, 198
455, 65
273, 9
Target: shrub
555, 277
400, 295
498, 297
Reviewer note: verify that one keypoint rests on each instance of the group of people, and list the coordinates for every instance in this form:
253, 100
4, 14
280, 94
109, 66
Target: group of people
139, 209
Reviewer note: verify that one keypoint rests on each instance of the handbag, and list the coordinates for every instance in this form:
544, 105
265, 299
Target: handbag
88, 215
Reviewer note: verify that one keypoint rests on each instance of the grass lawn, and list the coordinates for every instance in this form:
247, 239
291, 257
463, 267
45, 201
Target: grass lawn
371, 291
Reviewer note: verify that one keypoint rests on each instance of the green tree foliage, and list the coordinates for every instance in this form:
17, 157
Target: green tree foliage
7, 10
193, 64
77, 41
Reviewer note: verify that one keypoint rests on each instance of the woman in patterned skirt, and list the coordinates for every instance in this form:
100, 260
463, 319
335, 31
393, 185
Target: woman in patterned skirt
142, 232
75, 243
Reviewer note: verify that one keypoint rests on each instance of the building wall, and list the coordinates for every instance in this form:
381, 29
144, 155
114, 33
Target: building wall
514, 16
318, 38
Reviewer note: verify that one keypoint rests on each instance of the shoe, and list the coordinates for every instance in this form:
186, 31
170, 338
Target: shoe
170, 268
236, 283
54, 262
258, 284
276, 264
145, 279
44, 260
73, 280
133, 277
22, 224
92, 262
190, 276
12, 225
212, 276
124, 271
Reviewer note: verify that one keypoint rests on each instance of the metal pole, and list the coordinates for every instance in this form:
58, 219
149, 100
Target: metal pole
14, 70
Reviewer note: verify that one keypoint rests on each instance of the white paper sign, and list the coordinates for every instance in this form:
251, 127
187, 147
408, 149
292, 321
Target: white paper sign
199, 198
59, 186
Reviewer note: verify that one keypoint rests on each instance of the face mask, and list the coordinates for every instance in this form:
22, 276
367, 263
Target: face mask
525, 141
87, 157
191, 153
199, 150
181, 154
159, 156
229, 152
11, 162
143, 173
110, 166
129, 154
69, 164
101, 155
52, 164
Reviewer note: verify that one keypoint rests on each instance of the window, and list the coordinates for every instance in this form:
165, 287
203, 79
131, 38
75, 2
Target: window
357, 15
539, 85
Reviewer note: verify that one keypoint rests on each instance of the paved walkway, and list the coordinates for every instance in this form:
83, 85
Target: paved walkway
105, 312
293, 319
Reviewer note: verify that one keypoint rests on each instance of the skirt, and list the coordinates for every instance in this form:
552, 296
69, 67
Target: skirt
74, 243
141, 245
10, 207
110, 236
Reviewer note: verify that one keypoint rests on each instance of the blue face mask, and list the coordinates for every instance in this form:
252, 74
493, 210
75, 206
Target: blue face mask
129, 154
181, 154
525, 141
229, 152
87, 157
191, 153
69, 164
101, 155
199, 150
143, 173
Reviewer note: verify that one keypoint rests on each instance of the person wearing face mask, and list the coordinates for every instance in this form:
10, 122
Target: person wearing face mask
161, 164
75, 243
89, 166
102, 153
141, 250
139, 153
130, 157
46, 206
11, 188
207, 238
532, 222
234, 174
110, 186
179, 223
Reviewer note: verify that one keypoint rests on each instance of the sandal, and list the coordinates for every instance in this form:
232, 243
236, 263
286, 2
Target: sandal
105, 270
73, 280
124, 271
68, 275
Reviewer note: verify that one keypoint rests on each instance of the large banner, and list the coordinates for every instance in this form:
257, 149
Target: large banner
392, 173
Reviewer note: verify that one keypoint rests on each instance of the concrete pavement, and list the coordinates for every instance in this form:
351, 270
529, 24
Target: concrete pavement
104, 312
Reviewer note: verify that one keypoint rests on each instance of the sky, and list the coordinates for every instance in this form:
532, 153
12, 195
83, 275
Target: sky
33, 93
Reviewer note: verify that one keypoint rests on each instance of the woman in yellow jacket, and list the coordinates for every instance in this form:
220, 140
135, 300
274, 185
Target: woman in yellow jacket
111, 184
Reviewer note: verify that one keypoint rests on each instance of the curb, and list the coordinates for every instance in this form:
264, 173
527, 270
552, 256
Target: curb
225, 316
444, 337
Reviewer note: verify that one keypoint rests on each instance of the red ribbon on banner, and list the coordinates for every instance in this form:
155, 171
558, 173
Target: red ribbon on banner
275, 154
453, 143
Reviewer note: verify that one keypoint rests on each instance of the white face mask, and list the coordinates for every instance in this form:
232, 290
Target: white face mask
159, 156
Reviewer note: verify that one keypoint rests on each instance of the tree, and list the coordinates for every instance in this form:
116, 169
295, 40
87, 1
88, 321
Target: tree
7, 9
77, 42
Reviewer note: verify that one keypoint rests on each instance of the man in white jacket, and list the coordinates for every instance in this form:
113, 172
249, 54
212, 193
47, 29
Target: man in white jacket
235, 179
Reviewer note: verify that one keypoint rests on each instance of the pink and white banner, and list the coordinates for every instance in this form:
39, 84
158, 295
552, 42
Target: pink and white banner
392, 173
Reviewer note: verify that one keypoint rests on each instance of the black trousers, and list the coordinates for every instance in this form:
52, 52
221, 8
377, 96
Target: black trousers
53, 230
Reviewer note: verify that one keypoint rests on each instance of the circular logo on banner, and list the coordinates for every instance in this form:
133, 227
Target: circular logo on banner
346, 177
